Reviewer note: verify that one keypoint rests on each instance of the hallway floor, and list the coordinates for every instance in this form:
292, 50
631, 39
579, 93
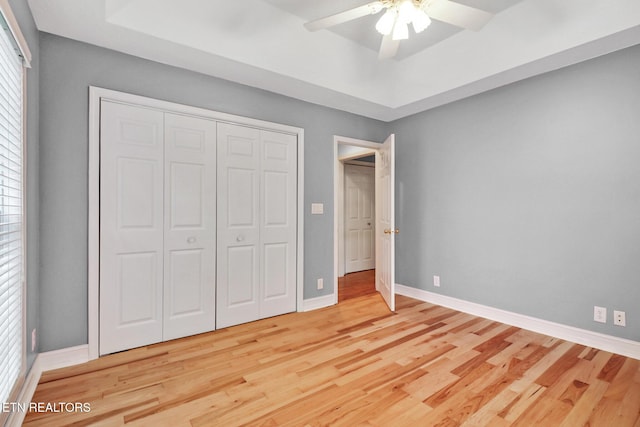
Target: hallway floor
356, 284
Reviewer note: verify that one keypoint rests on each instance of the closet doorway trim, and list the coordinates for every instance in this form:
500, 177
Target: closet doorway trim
96, 94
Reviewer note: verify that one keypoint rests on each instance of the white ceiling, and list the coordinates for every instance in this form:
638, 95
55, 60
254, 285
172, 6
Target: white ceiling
263, 43
360, 30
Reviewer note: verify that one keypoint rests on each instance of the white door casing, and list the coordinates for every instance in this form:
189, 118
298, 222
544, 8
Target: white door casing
131, 227
190, 226
385, 221
359, 218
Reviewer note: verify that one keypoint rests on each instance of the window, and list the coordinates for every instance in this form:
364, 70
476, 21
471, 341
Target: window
11, 202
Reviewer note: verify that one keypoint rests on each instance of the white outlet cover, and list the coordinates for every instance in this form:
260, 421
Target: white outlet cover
619, 318
436, 281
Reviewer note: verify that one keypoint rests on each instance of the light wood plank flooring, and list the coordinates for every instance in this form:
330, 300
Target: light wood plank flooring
353, 364
357, 284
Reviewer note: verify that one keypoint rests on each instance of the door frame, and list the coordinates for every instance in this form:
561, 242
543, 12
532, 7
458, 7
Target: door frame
338, 192
96, 94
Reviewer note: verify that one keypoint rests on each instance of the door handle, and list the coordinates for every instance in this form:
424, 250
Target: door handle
388, 231
240, 238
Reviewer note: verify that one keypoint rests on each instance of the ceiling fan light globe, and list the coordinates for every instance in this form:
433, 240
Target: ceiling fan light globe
400, 31
385, 24
406, 11
420, 22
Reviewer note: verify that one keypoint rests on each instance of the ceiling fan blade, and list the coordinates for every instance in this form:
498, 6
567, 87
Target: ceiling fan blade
458, 14
388, 47
348, 15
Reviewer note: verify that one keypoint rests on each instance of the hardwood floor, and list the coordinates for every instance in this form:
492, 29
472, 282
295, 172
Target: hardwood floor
353, 364
355, 285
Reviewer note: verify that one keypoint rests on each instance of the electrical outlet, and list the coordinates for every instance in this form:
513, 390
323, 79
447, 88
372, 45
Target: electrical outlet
33, 340
436, 281
599, 314
320, 283
619, 318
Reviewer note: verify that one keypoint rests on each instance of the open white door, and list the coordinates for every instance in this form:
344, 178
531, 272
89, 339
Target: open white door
385, 221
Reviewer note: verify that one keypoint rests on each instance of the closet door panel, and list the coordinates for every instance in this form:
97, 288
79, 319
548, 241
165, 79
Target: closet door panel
190, 226
276, 268
238, 293
240, 192
187, 268
278, 194
137, 288
241, 284
187, 188
131, 226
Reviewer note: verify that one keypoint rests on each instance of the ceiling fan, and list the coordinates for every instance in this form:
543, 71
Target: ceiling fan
394, 23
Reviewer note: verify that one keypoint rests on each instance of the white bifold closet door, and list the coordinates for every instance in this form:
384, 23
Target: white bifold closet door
190, 226
131, 226
256, 250
157, 226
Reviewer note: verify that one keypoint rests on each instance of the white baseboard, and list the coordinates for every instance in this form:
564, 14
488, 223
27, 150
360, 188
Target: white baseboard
64, 357
319, 302
46, 362
26, 393
597, 340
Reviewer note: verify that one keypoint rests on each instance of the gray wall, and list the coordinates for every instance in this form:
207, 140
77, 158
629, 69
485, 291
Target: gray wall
527, 198
68, 69
30, 32
523, 198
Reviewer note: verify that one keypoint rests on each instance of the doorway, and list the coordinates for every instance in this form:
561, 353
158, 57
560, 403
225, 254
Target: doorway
359, 217
350, 150
359, 228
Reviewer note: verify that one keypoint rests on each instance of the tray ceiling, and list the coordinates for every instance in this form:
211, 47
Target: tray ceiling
263, 43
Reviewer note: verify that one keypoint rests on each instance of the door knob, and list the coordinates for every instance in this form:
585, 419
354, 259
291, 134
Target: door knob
239, 238
191, 239
387, 231
397, 230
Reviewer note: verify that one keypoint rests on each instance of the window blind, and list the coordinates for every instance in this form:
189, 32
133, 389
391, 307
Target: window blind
11, 273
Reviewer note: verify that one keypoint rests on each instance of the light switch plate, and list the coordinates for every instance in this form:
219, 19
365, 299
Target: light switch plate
599, 314
317, 208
